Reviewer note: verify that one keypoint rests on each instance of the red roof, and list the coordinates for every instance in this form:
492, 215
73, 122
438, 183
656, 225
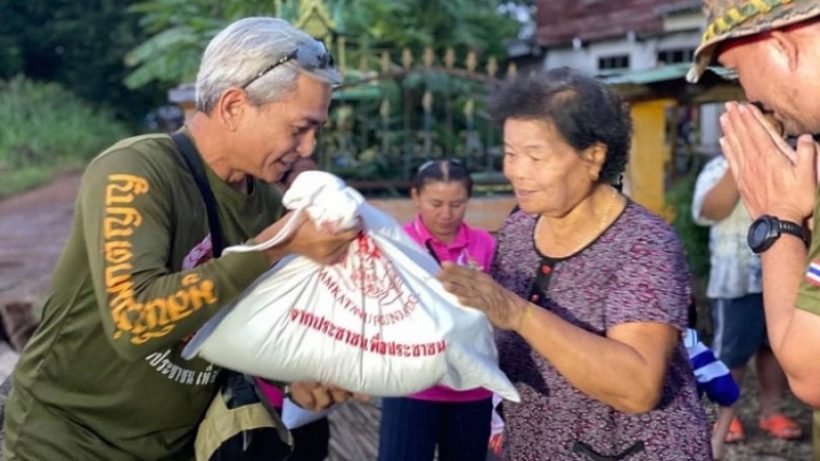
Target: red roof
560, 21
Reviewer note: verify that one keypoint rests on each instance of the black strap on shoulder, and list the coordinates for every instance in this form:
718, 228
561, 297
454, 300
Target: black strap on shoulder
429, 245
194, 162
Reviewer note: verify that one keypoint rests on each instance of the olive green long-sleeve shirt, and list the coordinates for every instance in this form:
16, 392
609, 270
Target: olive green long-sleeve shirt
102, 378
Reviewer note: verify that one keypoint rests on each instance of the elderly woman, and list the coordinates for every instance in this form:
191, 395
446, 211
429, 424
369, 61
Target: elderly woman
589, 290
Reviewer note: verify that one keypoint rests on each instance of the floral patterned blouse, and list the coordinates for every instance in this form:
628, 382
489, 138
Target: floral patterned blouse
634, 272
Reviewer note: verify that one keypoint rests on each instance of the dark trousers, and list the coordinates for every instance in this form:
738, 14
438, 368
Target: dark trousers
311, 441
411, 429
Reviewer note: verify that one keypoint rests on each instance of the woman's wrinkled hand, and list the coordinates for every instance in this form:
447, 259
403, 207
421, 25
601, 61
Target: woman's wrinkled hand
475, 289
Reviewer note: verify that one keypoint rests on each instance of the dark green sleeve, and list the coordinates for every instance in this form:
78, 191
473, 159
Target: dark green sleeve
128, 221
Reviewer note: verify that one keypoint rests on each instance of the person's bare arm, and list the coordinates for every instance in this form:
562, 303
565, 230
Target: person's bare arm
624, 369
794, 334
777, 180
721, 199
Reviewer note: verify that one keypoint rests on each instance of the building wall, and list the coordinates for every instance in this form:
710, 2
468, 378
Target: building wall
649, 155
642, 53
559, 21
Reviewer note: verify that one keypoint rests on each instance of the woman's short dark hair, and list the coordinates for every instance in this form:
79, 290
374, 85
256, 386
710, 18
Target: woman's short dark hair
443, 171
582, 109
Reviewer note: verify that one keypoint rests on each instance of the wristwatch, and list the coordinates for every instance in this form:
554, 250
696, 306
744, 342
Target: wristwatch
766, 229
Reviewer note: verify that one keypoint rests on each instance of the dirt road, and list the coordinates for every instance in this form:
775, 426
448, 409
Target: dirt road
34, 226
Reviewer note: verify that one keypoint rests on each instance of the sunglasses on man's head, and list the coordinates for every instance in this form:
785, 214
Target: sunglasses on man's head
309, 56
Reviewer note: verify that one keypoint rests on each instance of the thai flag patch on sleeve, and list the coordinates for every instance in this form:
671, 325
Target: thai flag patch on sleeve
813, 273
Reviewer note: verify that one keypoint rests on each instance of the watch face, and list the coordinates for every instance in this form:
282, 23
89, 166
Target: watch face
758, 233
762, 233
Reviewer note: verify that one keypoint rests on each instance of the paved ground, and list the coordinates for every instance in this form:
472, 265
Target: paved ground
33, 229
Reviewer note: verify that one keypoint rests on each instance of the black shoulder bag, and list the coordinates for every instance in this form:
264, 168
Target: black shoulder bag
194, 163
238, 424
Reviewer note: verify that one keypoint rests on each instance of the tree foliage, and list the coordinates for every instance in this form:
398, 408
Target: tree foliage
180, 29
694, 238
45, 129
472, 24
79, 44
126, 53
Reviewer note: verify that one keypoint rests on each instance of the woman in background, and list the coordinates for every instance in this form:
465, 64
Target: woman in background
457, 422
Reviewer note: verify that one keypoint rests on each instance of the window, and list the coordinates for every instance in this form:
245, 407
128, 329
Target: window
676, 55
617, 62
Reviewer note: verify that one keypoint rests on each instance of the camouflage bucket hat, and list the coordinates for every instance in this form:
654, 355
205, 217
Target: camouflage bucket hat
729, 19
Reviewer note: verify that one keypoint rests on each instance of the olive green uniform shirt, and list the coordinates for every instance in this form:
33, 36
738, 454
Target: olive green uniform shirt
808, 296
102, 378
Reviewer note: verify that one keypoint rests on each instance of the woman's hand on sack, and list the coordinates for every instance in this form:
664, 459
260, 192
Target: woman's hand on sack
315, 396
320, 245
476, 289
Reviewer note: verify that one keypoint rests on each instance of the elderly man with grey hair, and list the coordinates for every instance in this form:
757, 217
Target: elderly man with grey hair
102, 378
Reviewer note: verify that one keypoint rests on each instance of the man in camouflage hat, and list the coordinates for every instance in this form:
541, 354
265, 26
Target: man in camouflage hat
774, 47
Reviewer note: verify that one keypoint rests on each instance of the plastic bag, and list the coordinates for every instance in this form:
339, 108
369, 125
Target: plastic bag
294, 416
379, 322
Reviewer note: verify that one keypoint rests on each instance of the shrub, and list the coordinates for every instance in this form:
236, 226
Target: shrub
695, 238
45, 129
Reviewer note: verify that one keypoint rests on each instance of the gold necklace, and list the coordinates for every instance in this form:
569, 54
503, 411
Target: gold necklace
599, 229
